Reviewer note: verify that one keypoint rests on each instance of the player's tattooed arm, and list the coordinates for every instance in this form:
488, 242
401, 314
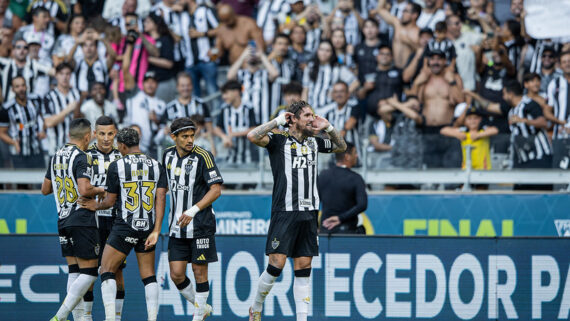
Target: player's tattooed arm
337, 140
258, 135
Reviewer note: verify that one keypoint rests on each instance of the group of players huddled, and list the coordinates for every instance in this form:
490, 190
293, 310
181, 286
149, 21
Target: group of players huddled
111, 198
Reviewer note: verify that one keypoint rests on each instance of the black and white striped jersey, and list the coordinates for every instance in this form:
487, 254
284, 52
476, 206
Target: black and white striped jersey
9, 70
294, 168
313, 39
239, 119
135, 179
99, 164
559, 99
46, 38
24, 123
319, 89
189, 179
256, 92
540, 146
351, 28
175, 109
268, 17
445, 46
57, 9
174, 21
85, 75
338, 118
287, 70
67, 166
203, 20
514, 49
54, 103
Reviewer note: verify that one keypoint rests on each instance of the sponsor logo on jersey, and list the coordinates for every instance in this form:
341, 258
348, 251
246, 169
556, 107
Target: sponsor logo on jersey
62, 240
213, 174
132, 240
305, 203
140, 224
203, 243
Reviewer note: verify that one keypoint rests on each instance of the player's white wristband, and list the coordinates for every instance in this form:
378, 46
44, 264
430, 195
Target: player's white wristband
192, 211
329, 129
281, 120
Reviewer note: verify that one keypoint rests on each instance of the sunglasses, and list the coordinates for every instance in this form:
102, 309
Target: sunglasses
21, 47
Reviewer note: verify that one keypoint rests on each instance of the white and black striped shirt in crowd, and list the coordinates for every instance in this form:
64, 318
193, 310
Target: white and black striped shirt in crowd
319, 90
135, 179
313, 39
536, 59
268, 16
286, 70
514, 52
85, 75
54, 103
189, 179
120, 22
256, 92
294, 167
139, 109
67, 166
24, 123
57, 9
445, 46
202, 20
31, 71
99, 164
529, 109
174, 21
365, 6
175, 109
351, 28
559, 99
338, 118
232, 119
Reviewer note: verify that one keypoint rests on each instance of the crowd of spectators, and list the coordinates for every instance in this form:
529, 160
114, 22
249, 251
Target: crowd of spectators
408, 83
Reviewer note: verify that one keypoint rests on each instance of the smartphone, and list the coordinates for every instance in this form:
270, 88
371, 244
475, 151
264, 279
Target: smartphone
252, 44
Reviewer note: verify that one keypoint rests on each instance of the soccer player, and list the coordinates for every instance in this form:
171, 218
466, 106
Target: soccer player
69, 176
103, 153
195, 183
137, 183
295, 201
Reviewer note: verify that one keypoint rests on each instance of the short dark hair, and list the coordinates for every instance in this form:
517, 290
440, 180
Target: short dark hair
62, 66
18, 77
198, 119
296, 107
128, 136
293, 87
181, 124
340, 156
231, 85
513, 86
282, 35
441, 26
416, 8
37, 10
514, 27
371, 21
79, 127
340, 82
564, 53
182, 74
384, 46
530, 76
97, 83
105, 121
428, 31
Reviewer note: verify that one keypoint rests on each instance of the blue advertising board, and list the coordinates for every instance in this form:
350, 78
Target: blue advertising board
353, 278
387, 214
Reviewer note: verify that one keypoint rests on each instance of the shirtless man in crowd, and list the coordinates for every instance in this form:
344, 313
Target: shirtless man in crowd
234, 33
406, 32
439, 92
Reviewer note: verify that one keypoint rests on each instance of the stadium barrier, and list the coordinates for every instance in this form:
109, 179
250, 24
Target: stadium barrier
441, 214
354, 278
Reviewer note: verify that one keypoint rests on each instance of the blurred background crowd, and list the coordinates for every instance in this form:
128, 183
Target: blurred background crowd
412, 84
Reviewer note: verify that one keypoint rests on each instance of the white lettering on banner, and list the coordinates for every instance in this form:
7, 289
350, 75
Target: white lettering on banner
336, 284
396, 285
501, 292
240, 260
469, 263
543, 293
7, 297
425, 263
25, 283
279, 292
368, 261
565, 305
242, 226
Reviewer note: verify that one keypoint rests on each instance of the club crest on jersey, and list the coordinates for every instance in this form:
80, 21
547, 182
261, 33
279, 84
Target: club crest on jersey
188, 167
97, 249
274, 243
311, 145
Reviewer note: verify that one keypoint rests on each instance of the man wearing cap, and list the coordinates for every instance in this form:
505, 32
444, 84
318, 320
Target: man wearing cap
39, 31
548, 70
145, 110
438, 92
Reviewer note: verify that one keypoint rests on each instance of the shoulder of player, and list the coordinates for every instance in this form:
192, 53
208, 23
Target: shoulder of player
204, 155
169, 151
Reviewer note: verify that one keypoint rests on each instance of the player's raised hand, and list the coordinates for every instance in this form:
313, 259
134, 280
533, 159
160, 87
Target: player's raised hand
151, 240
320, 124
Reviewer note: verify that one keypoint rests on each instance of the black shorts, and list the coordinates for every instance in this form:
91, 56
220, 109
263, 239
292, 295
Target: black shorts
293, 234
198, 250
80, 241
123, 238
105, 226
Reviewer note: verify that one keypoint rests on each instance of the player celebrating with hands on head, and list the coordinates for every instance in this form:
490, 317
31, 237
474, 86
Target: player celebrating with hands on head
295, 200
195, 183
137, 183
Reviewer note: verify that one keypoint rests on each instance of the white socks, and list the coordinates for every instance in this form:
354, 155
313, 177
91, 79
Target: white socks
151, 295
71, 277
186, 290
76, 292
264, 285
108, 292
200, 305
302, 298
